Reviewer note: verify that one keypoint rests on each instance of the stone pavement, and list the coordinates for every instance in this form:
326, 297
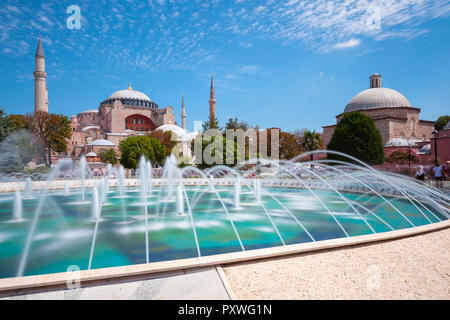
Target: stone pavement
201, 284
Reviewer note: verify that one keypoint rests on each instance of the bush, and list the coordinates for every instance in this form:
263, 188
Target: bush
132, 148
401, 157
356, 135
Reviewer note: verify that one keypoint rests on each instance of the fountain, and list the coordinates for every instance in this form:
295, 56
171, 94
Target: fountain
191, 213
237, 194
96, 203
83, 167
121, 181
28, 188
66, 188
17, 208
180, 200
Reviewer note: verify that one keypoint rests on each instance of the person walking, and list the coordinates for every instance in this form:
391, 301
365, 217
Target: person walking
420, 174
437, 170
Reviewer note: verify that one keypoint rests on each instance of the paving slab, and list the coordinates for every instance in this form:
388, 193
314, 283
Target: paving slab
198, 284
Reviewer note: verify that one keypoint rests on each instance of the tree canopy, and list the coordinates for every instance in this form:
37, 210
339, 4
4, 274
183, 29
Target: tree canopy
165, 138
356, 135
108, 156
441, 122
311, 141
132, 148
52, 130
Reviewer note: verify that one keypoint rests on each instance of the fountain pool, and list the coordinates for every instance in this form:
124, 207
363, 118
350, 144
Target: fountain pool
204, 213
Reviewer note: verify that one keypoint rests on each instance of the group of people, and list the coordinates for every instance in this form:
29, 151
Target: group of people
439, 173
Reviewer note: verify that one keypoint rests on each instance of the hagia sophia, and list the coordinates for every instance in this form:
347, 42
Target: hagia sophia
124, 113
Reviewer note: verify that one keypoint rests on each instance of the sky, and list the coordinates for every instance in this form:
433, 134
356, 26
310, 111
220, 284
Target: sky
289, 64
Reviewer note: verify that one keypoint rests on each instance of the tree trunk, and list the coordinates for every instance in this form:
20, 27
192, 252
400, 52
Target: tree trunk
49, 157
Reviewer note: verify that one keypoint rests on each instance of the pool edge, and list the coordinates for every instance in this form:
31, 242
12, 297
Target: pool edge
56, 279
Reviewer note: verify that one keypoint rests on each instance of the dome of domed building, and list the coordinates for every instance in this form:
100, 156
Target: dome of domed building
129, 94
131, 97
397, 121
377, 97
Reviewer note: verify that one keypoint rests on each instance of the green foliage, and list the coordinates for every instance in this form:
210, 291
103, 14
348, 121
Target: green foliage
53, 131
401, 157
356, 135
441, 122
211, 146
16, 150
108, 156
132, 148
215, 125
6, 126
236, 124
310, 141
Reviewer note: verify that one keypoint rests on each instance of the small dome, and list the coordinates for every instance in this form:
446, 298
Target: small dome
182, 135
91, 154
102, 142
129, 94
375, 98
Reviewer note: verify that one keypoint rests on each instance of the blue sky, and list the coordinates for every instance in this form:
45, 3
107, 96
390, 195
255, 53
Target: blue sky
291, 64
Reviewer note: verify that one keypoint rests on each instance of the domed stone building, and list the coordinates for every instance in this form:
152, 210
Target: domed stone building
395, 118
126, 112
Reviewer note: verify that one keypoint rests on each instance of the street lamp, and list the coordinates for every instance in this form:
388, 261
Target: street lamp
409, 159
435, 134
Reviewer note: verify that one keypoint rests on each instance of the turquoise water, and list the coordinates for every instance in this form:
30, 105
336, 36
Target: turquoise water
65, 229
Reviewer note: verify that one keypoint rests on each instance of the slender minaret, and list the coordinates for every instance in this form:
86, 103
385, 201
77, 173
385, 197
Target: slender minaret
183, 114
212, 103
40, 82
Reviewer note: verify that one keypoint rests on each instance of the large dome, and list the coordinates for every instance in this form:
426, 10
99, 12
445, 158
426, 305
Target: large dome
377, 97
129, 94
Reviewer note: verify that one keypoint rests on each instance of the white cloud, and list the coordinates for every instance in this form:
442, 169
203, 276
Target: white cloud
347, 44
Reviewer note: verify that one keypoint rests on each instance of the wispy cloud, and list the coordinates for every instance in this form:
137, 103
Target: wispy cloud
347, 44
184, 35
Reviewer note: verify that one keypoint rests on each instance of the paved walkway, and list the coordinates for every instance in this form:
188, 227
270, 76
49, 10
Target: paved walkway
410, 268
201, 284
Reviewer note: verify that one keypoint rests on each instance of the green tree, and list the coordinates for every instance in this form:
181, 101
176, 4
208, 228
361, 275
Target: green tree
6, 126
356, 135
132, 148
16, 150
441, 122
207, 125
53, 131
311, 141
211, 147
108, 156
165, 138
236, 124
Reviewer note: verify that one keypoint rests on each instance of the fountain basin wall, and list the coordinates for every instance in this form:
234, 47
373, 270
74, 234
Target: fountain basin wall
38, 282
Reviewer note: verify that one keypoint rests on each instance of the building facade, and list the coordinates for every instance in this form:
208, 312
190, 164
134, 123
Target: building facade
397, 121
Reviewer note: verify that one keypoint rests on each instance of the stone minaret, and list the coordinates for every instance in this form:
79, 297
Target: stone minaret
375, 81
212, 103
40, 82
183, 114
